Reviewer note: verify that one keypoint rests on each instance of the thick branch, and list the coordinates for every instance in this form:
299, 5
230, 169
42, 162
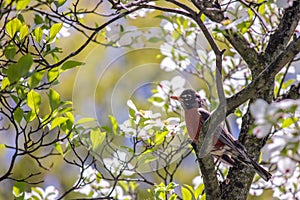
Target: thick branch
279, 40
208, 172
243, 47
209, 130
264, 77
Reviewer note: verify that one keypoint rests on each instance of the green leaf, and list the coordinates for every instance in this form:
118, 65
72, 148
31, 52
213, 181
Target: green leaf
154, 39
21, 18
97, 137
23, 31
30, 116
186, 194
19, 188
71, 64
58, 148
54, 99
13, 26
10, 51
35, 79
38, 19
156, 99
38, 33
58, 121
16, 71
24, 64
21, 4
128, 149
149, 158
55, 28
18, 115
53, 74
5, 83
13, 73
33, 101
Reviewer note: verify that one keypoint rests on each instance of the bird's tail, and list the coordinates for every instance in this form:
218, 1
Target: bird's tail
260, 170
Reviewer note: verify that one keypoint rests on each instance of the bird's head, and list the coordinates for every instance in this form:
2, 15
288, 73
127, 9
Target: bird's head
189, 99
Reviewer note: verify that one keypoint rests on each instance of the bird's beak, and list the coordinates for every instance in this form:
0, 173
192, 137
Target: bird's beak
176, 98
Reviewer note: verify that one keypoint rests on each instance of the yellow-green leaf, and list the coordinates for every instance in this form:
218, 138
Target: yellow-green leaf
114, 123
35, 79
173, 197
38, 33
21, 4
55, 28
149, 158
289, 121
70, 116
53, 74
186, 194
71, 64
85, 120
58, 121
13, 26
159, 137
59, 3
24, 31
18, 188
199, 190
54, 99
97, 137
33, 101
58, 148
5, 83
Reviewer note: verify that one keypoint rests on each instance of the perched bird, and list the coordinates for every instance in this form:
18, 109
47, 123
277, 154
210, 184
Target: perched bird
226, 148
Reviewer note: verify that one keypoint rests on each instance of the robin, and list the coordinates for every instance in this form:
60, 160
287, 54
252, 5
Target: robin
226, 148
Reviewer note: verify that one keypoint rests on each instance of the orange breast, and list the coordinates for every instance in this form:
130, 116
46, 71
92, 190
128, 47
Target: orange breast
193, 123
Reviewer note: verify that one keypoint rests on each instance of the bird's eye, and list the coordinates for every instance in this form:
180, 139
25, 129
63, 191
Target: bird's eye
186, 96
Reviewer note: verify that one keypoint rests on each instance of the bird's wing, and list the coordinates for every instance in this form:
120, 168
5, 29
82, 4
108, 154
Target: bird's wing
233, 150
232, 145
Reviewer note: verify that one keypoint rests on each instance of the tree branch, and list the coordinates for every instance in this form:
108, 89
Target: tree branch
211, 9
243, 47
279, 40
264, 77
